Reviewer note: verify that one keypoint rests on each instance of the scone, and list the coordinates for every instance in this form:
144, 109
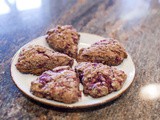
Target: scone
99, 80
64, 39
37, 59
108, 51
60, 84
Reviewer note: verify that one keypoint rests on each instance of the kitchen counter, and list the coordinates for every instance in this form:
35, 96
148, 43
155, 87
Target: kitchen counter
135, 23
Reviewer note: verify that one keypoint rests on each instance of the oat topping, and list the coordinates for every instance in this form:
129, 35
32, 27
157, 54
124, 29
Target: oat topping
99, 80
64, 39
58, 81
36, 59
108, 51
60, 84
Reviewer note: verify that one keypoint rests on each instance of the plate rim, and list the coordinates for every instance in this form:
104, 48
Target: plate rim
68, 106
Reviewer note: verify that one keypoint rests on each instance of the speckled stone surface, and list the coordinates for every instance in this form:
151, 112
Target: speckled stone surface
135, 23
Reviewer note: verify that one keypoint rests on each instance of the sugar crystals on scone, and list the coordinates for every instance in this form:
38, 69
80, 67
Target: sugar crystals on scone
108, 51
36, 59
60, 84
99, 80
64, 39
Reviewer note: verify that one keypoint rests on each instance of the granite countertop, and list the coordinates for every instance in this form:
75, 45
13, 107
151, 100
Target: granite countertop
135, 23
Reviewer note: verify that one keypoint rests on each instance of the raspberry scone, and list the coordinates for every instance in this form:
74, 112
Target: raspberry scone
108, 51
36, 59
99, 80
60, 84
64, 39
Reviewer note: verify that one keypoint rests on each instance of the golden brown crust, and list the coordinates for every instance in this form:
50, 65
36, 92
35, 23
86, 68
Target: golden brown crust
64, 39
37, 59
109, 52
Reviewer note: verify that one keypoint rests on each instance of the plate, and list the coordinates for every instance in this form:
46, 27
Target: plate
23, 81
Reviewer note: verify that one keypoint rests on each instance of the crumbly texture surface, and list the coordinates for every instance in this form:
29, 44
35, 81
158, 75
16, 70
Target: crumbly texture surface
37, 59
108, 51
64, 39
60, 84
99, 80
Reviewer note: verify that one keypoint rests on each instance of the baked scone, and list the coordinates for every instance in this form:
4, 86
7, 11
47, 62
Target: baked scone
108, 51
64, 39
60, 84
36, 59
99, 80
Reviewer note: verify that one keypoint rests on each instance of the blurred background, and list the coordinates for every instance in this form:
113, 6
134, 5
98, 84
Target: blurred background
135, 23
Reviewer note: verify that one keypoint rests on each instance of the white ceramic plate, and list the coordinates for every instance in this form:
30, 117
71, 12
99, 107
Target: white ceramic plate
23, 81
